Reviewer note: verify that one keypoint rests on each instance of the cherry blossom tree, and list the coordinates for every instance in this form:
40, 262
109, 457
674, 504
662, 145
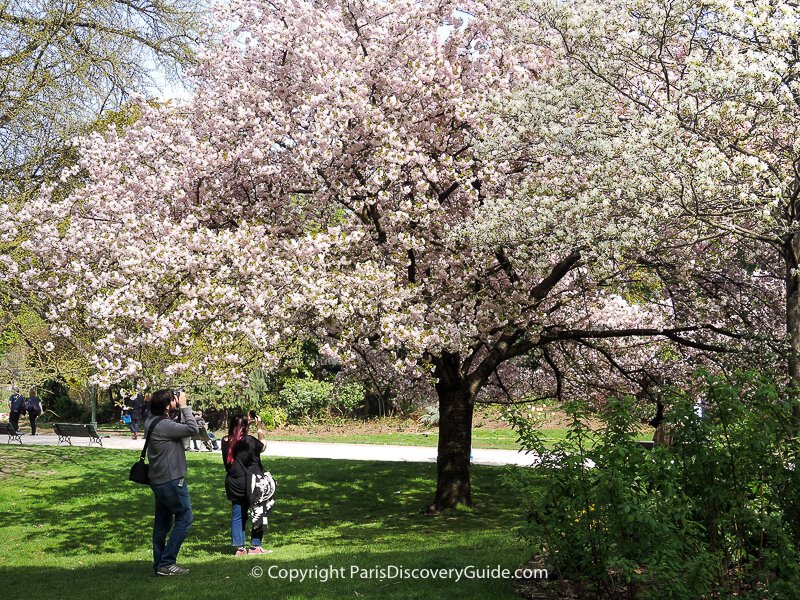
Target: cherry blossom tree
371, 175
712, 89
68, 67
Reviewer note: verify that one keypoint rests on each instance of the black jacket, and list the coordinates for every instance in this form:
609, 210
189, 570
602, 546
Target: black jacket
247, 457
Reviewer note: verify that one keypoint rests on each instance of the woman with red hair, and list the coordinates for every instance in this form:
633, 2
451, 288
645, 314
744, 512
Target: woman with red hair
242, 452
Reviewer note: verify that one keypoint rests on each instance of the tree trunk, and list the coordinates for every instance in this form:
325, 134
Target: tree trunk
790, 255
455, 436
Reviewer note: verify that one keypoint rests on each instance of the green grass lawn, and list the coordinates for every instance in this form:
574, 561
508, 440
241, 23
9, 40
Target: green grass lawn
74, 527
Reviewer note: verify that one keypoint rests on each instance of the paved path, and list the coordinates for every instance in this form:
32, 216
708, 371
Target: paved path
319, 450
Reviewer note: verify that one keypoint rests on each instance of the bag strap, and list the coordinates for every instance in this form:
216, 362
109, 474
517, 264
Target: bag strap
147, 436
257, 464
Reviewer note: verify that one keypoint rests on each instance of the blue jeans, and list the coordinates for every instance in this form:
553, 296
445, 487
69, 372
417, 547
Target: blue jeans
172, 501
238, 521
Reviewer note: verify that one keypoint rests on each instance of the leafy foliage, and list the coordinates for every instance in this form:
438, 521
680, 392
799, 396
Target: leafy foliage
273, 416
55, 395
716, 511
347, 396
305, 397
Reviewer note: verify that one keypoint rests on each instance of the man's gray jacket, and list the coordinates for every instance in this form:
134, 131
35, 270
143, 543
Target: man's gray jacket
165, 451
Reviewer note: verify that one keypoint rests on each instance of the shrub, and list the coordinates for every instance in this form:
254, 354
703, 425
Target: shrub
54, 395
259, 388
273, 416
305, 398
347, 396
430, 418
715, 513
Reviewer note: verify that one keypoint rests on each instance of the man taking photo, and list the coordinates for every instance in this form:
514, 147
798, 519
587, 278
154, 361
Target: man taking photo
167, 472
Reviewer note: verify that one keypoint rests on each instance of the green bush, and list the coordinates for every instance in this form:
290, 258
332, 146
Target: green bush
282, 398
259, 390
347, 397
305, 398
273, 416
311, 399
714, 513
55, 397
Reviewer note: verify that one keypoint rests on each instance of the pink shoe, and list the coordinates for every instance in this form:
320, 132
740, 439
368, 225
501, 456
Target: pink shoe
241, 552
259, 550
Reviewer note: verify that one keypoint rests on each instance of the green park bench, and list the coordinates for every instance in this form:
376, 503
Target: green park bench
7, 429
66, 431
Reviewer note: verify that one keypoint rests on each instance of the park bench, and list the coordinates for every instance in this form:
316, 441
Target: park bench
7, 429
646, 444
203, 436
66, 431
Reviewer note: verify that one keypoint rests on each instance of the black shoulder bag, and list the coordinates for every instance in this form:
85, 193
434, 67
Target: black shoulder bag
139, 470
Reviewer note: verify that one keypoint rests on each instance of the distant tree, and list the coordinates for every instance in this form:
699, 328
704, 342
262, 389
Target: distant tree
64, 63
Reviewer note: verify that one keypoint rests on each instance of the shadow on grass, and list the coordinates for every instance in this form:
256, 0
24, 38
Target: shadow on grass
78, 502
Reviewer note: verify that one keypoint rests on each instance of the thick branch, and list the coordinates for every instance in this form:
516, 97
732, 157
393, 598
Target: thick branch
540, 291
671, 333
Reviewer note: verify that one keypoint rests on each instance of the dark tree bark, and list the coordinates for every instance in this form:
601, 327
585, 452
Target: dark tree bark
456, 405
791, 256
457, 386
